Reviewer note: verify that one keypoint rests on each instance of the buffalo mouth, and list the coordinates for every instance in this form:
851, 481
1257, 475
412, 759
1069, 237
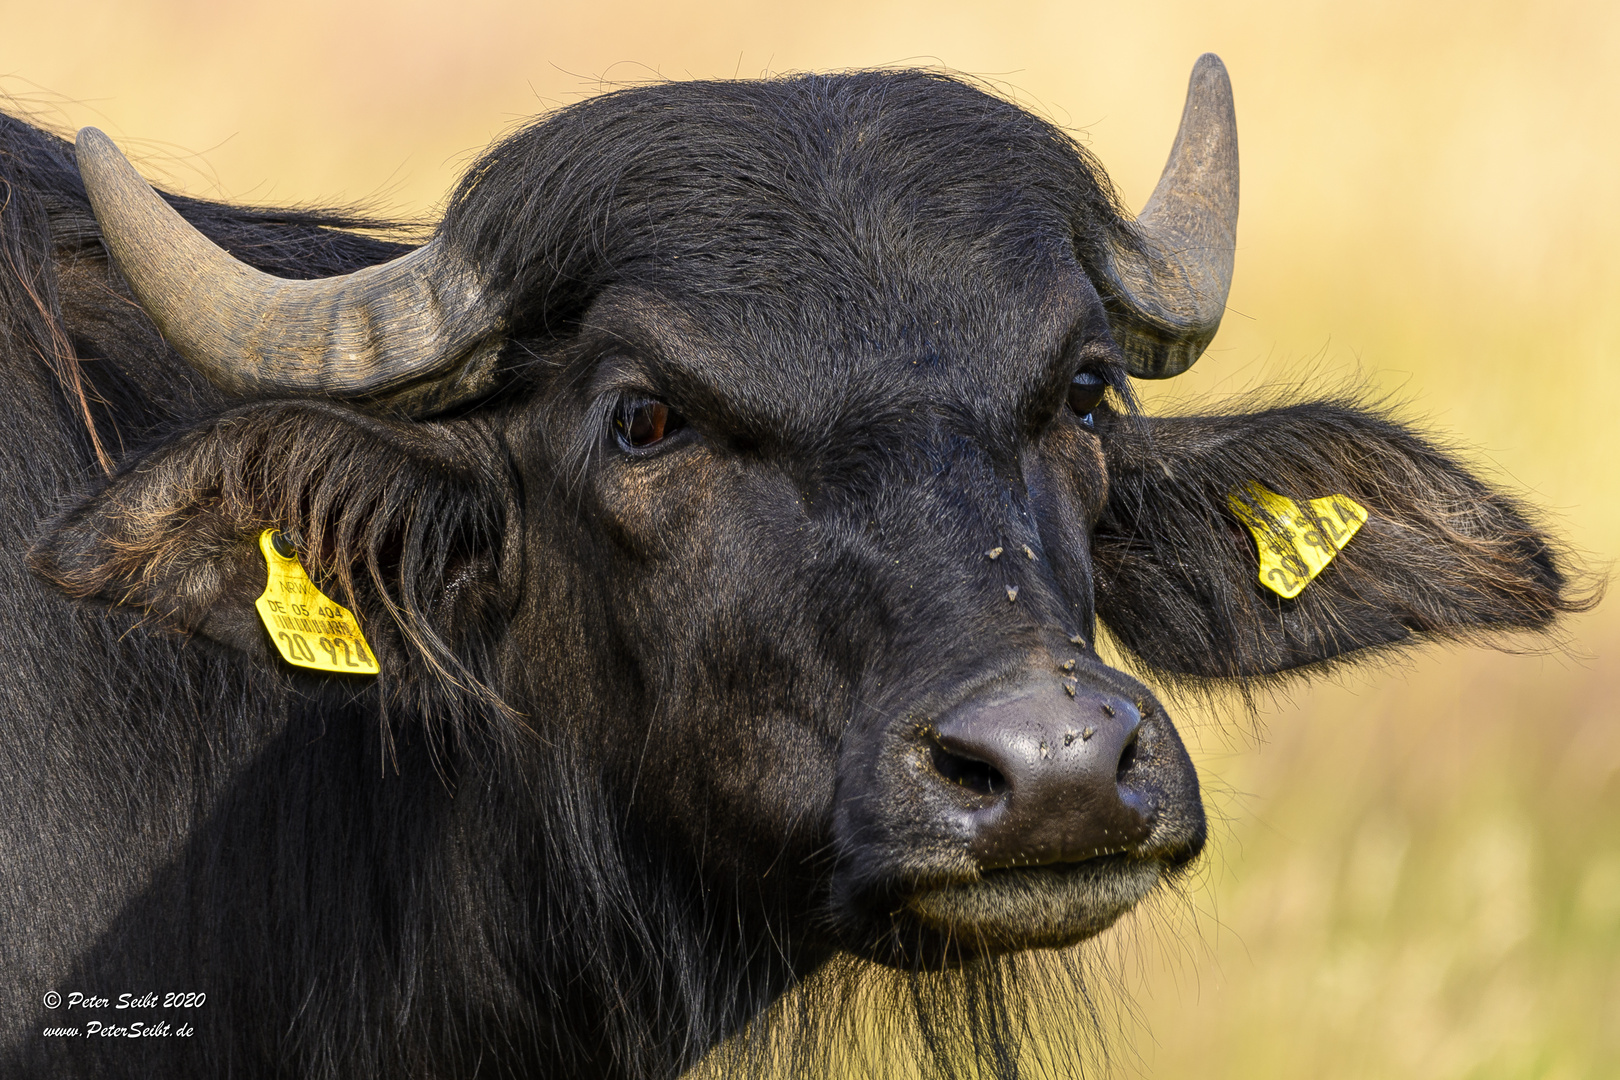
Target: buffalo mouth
1012, 909
1036, 907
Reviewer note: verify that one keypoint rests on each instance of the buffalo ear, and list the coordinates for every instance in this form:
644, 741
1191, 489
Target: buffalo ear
1442, 554
400, 522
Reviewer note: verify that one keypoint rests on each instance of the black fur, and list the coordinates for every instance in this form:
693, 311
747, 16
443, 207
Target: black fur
614, 793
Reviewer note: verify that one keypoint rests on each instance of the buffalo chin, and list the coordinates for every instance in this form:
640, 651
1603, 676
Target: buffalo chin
1011, 910
1038, 907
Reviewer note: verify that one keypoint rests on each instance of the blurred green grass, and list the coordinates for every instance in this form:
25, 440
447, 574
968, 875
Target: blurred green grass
1415, 872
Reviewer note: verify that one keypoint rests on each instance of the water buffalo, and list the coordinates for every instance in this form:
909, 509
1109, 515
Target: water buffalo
728, 492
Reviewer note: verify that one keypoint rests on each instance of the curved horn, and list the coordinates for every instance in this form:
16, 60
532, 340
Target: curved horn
419, 333
1170, 277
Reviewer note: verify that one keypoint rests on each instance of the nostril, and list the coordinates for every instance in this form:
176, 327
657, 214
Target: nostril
980, 777
1127, 758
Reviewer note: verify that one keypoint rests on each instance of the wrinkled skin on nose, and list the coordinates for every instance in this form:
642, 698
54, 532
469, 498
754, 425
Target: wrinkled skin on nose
1045, 772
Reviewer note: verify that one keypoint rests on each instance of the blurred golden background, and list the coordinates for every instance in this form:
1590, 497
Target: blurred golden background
1415, 872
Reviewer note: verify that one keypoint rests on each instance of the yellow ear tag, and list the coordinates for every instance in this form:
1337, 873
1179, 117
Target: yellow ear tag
1295, 545
308, 628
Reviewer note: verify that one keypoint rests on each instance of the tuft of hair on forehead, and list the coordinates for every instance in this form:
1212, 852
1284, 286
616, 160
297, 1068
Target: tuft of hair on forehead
783, 188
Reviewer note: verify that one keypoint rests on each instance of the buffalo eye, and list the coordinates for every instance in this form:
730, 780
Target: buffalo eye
1085, 394
640, 424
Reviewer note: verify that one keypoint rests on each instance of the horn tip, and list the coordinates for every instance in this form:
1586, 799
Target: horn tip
1209, 72
95, 150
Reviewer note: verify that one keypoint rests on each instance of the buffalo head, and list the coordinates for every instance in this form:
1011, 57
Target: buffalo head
740, 473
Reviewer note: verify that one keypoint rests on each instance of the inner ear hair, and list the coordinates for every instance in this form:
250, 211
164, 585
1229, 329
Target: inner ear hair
396, 521
1443, 554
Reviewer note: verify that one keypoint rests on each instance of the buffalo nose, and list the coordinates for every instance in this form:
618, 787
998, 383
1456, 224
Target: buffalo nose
1043, 775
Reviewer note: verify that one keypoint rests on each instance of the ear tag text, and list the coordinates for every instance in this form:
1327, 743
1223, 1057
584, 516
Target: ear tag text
309, 629
1295, 544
